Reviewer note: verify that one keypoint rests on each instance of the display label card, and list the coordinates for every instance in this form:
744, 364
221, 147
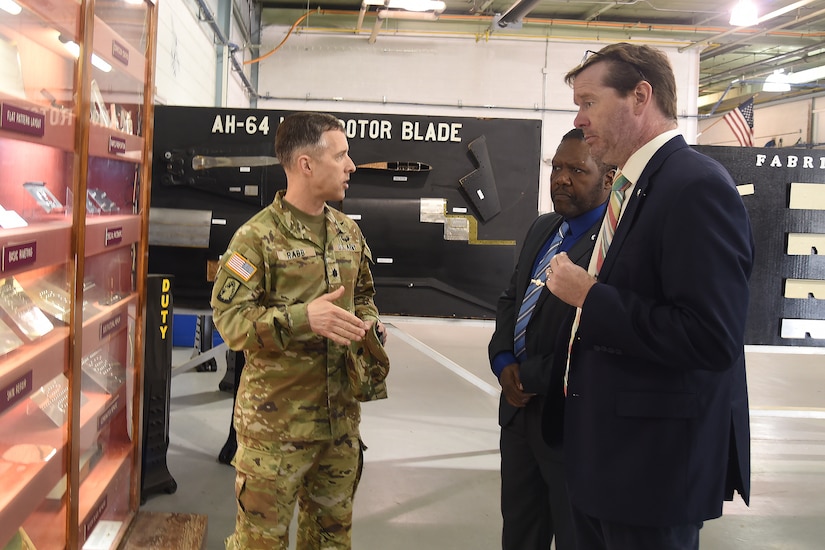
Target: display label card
19, 255
103, 537
111, 326
22, 121
15, 391
120, 52
114, 236
94, 517
117, 146
107, 415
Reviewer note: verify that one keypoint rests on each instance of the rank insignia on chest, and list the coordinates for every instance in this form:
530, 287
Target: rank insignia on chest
239, 265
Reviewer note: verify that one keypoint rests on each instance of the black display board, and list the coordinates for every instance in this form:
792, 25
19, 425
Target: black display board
229, 195
772, 173
157, 383
443, 201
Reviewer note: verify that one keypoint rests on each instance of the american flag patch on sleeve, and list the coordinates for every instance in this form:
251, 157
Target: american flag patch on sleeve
239, 265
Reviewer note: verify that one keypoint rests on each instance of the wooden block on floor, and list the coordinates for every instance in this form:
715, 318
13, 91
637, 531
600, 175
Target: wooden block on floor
163, 531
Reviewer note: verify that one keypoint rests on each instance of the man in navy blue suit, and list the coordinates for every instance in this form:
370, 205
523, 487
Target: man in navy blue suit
656, 431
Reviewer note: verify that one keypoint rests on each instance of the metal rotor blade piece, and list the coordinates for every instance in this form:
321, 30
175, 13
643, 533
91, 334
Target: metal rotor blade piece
202, 162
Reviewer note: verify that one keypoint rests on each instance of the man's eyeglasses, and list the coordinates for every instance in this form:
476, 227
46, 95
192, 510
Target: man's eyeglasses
590, 53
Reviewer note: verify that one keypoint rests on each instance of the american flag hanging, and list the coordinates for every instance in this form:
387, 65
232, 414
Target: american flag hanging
740, 121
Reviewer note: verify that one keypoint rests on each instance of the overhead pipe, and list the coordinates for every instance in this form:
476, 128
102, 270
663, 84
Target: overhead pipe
515, 13
773, 63
594, 13
767, 17
732, 45
209, 18
572, 23
558, 23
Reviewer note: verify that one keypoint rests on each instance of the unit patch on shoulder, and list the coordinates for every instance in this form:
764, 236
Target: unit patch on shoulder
230, 288
240, 266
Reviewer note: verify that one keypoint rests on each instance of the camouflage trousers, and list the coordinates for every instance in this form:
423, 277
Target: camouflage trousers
272, 475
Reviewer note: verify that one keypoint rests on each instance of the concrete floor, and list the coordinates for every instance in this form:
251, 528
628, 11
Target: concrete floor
431, 474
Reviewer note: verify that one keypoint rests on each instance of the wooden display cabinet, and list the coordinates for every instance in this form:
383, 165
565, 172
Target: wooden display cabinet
75, 129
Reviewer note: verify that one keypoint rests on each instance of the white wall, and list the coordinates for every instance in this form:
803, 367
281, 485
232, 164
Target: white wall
236, 95
499, 78
185, 72
818, 120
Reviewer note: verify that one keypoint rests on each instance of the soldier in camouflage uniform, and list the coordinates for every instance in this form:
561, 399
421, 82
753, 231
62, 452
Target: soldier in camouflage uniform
294, 291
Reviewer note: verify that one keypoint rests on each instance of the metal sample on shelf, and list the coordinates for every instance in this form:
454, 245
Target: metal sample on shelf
203, 162
22, 310
401, 171
8, 339
101, 201
51, 299
43, 196
179, 227
104, 371
9, 219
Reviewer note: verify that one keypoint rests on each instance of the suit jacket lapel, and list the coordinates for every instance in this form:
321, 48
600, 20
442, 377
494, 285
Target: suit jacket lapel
636, 201
584, 245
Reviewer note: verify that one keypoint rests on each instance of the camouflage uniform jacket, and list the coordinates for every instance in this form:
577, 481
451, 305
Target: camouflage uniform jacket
294, 385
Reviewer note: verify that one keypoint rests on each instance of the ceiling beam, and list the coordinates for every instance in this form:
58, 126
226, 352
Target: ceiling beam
767, 17
775, 62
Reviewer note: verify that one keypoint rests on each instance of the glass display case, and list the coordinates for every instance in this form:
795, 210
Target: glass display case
74, 134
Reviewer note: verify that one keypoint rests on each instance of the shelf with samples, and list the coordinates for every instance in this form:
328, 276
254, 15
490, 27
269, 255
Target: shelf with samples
74, 128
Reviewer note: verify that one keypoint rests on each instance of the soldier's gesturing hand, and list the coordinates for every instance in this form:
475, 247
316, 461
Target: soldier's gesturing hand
328, 320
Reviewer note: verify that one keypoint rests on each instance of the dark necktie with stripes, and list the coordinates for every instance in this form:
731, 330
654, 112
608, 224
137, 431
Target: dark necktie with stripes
531, 295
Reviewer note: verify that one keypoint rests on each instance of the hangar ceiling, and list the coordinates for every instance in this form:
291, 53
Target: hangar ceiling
734, 61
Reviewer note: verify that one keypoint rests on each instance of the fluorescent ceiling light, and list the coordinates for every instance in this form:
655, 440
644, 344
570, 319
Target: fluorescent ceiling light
777, 82
808, 75
10, 6
744, 14
72, 47
409, 5
100, 63
410, 15
418, 5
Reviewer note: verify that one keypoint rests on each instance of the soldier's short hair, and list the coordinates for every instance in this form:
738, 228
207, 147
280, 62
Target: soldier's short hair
300, 131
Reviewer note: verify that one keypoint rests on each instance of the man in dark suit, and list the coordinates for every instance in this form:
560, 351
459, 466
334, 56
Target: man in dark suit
534, 503
656, 431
